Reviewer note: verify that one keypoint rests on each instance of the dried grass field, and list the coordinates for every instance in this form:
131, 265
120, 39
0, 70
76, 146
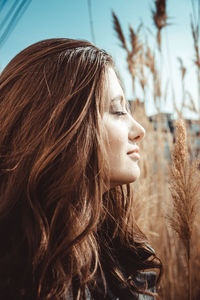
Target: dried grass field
167, 209
167, 195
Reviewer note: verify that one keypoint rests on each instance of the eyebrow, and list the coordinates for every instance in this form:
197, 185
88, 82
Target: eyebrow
118, 97
122, 98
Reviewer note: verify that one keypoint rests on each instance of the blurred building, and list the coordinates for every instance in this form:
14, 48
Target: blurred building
193, 128
162, 121
165, 123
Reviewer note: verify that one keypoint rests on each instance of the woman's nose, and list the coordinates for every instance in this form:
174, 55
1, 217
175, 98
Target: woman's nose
136, 132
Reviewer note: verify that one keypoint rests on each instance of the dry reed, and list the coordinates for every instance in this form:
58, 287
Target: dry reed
160, 18
135, 51
184, 187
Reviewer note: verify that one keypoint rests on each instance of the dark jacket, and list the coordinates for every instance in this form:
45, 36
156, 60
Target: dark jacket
143, 280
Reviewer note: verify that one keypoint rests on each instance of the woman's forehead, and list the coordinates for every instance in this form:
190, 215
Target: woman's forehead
113, 86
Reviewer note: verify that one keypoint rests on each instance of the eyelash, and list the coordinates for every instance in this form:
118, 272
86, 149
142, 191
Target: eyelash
120, 113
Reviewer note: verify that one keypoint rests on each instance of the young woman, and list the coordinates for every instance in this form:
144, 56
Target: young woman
68, 152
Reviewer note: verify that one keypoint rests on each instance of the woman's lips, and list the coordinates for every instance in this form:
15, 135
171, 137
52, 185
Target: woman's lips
134, 153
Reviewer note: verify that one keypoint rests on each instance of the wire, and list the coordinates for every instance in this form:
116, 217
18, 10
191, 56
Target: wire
2, 4
12, 17
91, 21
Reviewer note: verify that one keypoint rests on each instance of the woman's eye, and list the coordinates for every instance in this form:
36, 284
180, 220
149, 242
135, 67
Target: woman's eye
120, 113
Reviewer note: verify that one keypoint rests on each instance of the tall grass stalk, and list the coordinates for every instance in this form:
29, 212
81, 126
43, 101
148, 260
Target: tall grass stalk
133, 52
160, 18
184, 187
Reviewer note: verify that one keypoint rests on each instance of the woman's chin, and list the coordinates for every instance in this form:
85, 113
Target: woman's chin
125, 178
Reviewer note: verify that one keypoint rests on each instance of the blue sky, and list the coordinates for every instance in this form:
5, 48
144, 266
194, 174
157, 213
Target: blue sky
67, 18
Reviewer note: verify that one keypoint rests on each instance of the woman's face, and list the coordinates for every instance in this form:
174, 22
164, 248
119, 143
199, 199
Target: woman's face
122, 133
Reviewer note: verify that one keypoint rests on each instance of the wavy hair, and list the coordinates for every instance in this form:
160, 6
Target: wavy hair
56, 228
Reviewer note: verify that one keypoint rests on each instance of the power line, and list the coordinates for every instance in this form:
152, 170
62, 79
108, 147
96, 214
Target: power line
12, 17
91, 21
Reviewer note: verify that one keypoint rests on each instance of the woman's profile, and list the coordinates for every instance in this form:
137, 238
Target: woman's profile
68, 153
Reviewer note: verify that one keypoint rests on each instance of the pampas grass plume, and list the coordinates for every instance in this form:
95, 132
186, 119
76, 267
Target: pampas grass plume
184, 187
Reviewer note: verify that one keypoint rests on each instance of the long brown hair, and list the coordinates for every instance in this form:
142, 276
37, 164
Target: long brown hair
56, 228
